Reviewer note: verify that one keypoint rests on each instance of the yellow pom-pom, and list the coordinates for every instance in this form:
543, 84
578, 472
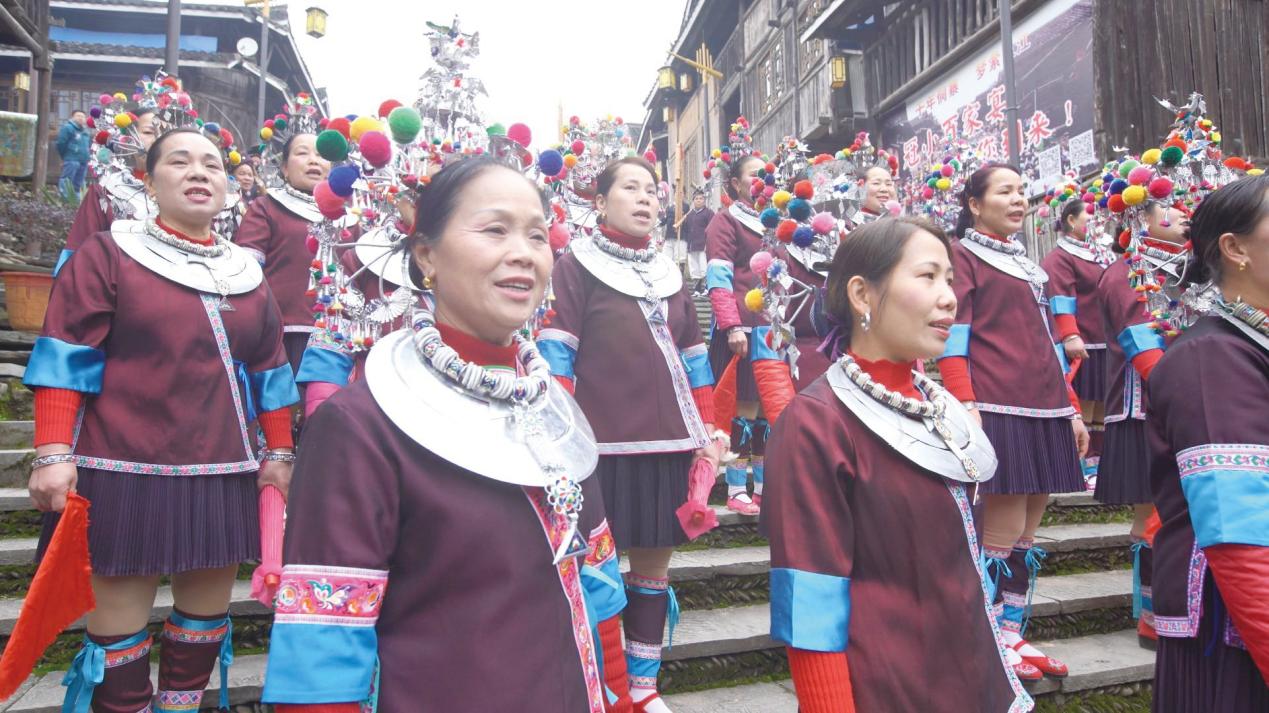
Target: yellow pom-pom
123, 121
943, 184
753, 300
266, 133
848, 152
121, 97
1206, 123
716, 153
1215, 136
1151, 156
235, 158
1134, 195
361, 125
570, 161
1098, 183
781, 199
1255, 172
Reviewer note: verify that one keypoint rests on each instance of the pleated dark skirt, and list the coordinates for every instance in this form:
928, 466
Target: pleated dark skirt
641, 493
1189, 680
153, 524
1123, 475
1037, 455
295, 343
720, 355
1090, 380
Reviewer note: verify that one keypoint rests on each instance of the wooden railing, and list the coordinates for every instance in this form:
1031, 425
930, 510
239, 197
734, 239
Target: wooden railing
731, 61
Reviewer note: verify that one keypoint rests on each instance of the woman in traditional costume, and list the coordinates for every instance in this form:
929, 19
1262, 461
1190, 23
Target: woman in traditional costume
764, 382
162, 342
445, 548
1074, 268
1135, 347
625, 336
275, 229
1002, 361
859, 456
1209, 471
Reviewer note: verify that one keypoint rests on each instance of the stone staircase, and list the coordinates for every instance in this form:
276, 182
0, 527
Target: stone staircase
722, 658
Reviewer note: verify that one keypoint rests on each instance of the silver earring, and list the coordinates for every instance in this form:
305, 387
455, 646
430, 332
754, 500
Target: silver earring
865, 322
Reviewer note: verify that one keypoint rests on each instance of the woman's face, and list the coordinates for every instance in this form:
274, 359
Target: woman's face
246, 176
147, 132
189, 182
491, 264
748, 171
1077, 225
1003, 206
631, 205
1167, 224
1251, 282
304, 167
878, 190
912, 314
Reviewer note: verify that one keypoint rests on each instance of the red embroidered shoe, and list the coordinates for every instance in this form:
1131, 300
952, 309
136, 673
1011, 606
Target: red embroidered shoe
1023, 670
1046, 665
743, 506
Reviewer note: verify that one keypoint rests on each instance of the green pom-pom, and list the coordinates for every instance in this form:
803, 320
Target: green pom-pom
1171, 156
103, 154
198, 123
279, 125
405, 123
332, 145
1126, 167
497, 130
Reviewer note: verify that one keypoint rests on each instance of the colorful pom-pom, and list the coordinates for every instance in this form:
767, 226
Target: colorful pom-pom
1160, 188
123, 121
784, 233
361, 125
1140, 176
404, 123
1171, 155
266, 133
804, 190
1151, 156
780, 199
759, 262
1134, 195
389, 106
341, 180
769, 218
894, 207
1116, 203
754, 300
804, 236
943, 184
550, 162
331, 144
823, 223
521, 134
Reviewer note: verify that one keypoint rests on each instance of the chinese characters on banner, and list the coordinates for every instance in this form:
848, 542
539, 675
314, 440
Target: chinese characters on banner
1053, 62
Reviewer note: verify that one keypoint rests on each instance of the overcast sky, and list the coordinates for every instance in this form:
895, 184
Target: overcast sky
598, 57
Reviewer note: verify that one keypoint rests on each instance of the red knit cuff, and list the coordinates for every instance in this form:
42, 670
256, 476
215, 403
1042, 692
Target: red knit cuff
955, 372
1145, 362
822, 681
1067, 326
567, 383
56, 411
723, 302
704, 398
1241, 572
316, 707
277, 428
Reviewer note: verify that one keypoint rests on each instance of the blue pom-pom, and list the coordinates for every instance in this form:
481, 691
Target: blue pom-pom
799, 209
350, 117
804, 236
341, 180
769, 179
770, 218
1101, 203
212, 127
550, 162
1117, 186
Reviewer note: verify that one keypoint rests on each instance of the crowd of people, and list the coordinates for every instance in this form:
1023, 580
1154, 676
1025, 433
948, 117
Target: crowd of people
474, 402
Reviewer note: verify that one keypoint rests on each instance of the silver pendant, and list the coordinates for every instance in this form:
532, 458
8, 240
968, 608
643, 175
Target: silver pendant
573, 544
940, 427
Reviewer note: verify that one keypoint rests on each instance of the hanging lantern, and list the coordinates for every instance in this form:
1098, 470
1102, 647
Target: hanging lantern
666, 78
837, 72
315, 22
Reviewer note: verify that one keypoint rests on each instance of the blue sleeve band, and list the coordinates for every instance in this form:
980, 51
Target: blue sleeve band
1139, 338
274, 388
61, 260
719, 273
325, 365
759, 350
559, 355
957, 342
320, 663
1062, 305
1060, 350
62, 365
809, 610
604, 590
696, 362
1227, 488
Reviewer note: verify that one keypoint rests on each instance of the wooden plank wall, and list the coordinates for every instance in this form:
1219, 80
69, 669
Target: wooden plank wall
1168, 48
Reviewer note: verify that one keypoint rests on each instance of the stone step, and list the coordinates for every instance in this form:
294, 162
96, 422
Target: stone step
15, 467
17, 550
16, 434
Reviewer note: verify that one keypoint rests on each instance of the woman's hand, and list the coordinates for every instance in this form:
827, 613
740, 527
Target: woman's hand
975, 414
50, 484
738, 342
1075, 348
277, 474
1081, 435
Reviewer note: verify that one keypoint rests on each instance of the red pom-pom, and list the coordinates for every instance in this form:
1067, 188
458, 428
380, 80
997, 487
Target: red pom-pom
578, 147
521, 134
329, 204
375, 148
1125, 239
784, 232
227, 137
770, 168
726, 200
387, 107
804, 190
1160, 188
1116, 203
650, 155
342, 125
103, 137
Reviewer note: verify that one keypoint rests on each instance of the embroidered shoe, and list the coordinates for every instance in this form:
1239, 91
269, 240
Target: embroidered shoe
651, 704
1024, 671
757, 499
743, 504
1045, 664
